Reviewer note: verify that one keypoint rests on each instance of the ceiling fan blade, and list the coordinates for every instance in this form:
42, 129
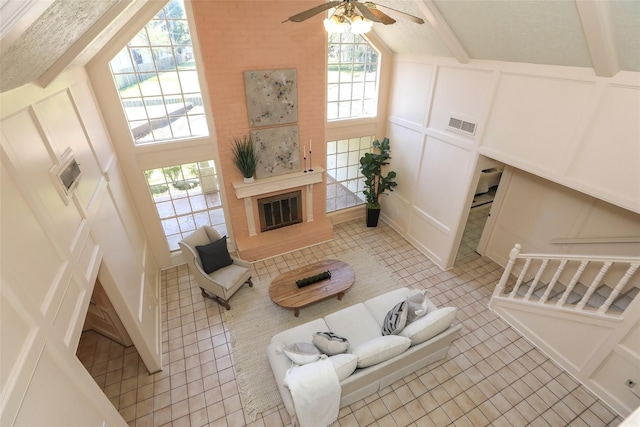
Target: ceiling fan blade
383, 17
398, 12
314, 11
365, 11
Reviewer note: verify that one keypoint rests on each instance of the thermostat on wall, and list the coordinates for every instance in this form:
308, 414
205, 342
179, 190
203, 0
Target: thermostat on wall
66, 175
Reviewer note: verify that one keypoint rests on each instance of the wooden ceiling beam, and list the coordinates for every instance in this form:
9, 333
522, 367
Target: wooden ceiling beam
435, 18
595, 17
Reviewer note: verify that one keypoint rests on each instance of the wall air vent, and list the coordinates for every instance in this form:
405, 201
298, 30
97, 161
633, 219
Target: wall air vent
461, 125
66, 175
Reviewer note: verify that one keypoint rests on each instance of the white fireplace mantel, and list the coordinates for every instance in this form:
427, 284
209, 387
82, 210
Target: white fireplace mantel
277, 183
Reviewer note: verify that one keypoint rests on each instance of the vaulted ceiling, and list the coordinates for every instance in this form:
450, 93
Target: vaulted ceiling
41, 38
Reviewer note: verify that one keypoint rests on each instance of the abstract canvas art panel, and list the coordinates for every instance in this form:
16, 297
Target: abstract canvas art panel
278, 151
272, 97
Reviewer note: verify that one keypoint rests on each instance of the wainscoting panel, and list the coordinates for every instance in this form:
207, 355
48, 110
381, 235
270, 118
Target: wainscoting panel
534, 118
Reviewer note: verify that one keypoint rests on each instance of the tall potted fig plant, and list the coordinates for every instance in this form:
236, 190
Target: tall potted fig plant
376, 181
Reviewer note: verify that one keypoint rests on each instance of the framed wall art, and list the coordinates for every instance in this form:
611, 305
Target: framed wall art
278, 151
272, 97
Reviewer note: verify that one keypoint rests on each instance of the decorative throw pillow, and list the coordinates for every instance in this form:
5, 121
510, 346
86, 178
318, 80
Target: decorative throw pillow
344, 364
330, 343
380, 349
430, 325
395, 320
416, 306
214, 255
302, 353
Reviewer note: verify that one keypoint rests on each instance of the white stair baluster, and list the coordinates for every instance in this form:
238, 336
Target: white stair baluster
594, 285
619, 287
520, 278
507, 270
543, 266
573, 282
559, 270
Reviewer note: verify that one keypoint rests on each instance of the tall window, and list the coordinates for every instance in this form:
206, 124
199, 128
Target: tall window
186, 197
157, 80
352, 77
344, 180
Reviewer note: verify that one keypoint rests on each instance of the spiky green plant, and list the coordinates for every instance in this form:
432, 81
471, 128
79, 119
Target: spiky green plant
244, 156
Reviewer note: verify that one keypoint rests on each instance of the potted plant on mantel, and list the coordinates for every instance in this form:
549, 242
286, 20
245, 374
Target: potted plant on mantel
376, 183
245, 157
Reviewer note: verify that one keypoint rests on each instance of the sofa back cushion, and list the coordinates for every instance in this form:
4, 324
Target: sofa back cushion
301, 333
379, 306
354, 323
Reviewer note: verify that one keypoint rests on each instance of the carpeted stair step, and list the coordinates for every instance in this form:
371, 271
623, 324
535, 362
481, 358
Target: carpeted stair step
623, 300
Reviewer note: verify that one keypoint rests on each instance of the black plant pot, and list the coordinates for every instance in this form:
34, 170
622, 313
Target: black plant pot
373, 214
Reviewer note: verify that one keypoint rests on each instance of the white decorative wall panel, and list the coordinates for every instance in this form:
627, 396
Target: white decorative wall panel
610, 377
63, 127
70, 401
30, 156
28, 256
463, 92
631, 342
534, 119
410, 101
444, 175
425, 234
69, 320
406, 151
17, 333
82, 97
615, 120
110, 232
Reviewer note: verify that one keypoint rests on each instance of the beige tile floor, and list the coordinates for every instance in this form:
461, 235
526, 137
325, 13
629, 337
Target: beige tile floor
492, 376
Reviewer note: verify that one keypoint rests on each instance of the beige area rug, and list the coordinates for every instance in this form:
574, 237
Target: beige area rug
254, 319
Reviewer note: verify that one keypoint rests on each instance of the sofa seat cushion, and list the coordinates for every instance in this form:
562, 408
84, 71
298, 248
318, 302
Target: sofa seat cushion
430, 325
354, 323
229, 276
380, 349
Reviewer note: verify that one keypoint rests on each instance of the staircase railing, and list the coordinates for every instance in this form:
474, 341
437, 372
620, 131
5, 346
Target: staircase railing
599, 266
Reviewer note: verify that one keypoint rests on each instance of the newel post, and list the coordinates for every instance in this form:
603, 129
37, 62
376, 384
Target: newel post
507, 270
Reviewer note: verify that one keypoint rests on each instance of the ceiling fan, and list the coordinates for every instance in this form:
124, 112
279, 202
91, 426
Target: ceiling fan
353, 10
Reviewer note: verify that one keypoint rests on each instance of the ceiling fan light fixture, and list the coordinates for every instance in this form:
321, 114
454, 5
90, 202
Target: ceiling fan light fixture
360, 25
335, 24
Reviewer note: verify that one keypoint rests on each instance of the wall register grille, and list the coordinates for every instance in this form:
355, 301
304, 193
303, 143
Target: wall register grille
461, 125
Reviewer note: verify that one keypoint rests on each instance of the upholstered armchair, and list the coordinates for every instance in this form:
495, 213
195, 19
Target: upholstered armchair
218, 274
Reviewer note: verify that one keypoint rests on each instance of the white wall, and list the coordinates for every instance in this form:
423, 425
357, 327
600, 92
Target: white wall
53, 250
534, 211
554, 122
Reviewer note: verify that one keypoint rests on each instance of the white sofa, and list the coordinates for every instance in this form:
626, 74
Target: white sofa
360, 324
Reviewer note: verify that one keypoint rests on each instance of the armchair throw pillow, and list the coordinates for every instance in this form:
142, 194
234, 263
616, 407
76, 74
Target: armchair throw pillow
215, 255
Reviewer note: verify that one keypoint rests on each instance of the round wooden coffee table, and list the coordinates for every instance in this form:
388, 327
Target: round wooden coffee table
284, 291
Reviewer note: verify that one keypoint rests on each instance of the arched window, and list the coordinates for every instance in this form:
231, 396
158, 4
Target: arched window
352, 77
157, 81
